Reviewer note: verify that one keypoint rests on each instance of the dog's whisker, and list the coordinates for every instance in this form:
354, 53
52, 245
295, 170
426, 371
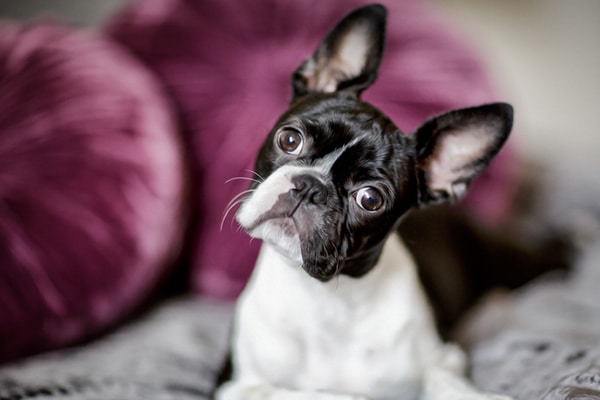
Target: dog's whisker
228, 210
232, 203
337, 282
238, 228
242, 178
237, 199
259, 176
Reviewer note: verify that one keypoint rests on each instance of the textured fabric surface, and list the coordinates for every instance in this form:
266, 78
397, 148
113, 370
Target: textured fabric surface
547, 344
227, 65
91, 185
547, 347
174, 353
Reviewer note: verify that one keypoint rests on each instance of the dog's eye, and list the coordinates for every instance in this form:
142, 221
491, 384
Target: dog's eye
290, 140
369, 198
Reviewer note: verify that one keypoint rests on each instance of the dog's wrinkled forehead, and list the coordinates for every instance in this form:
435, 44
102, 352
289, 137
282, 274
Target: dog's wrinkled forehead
348, 138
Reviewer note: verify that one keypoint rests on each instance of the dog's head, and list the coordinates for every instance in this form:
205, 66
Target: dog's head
336, 174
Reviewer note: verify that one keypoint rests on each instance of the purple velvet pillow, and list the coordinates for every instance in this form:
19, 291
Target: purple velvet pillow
227, 65
91, 187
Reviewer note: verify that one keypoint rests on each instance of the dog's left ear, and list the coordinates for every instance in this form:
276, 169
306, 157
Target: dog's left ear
455, 147
348, 58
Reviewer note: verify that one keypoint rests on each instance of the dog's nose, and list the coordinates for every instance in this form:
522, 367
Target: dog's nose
309, 187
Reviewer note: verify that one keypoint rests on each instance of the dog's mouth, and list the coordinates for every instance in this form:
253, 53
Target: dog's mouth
281, 216
298, 214
322, 277
302, 232
284, 225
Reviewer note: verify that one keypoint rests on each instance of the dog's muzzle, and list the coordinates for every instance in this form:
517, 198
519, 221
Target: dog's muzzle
309, 189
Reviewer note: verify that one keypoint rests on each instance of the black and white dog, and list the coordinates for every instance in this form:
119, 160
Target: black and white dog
334, 309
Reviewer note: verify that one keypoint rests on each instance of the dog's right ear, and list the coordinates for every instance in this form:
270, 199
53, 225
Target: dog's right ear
453, 148
348, 58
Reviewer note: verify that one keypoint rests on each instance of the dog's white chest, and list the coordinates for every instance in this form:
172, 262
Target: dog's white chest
372, 335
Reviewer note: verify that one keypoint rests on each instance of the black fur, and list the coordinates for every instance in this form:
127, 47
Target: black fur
339, 237
343, 239
336, 235
373, 19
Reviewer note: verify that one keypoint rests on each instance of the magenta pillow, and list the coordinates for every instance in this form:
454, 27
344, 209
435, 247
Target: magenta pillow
91, 186
227, 65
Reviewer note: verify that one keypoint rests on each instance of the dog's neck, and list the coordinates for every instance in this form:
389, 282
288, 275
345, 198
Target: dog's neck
279, 277
299, 324
361, 264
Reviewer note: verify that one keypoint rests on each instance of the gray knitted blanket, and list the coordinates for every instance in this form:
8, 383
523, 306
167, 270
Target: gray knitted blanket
172, 354
545, 344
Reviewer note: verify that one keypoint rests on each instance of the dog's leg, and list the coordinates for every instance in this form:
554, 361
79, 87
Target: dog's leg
441, 384
446, 380
238, 390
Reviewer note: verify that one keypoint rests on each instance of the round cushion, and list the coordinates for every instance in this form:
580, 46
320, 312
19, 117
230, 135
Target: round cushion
228, 66
91, 187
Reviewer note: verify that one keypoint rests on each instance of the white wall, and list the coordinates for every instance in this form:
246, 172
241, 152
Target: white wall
546, 56
83, 12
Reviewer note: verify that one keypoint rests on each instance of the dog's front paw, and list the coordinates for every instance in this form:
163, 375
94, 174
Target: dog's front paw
486, 396
337, 396
498, 397
442, 384
469, 396
480, 396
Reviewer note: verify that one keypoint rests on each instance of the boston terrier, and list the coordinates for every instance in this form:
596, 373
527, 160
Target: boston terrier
335, 309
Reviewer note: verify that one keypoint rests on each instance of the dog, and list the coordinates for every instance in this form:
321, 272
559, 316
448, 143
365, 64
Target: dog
335, 309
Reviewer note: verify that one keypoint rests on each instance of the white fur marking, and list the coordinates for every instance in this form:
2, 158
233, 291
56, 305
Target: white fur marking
372, 336
265, 196
280, 181
296, 338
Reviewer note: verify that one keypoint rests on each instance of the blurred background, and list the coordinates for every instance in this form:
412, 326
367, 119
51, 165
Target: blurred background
543, 54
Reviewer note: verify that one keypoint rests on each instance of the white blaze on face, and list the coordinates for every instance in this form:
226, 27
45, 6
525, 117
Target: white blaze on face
265, 196
262, 200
